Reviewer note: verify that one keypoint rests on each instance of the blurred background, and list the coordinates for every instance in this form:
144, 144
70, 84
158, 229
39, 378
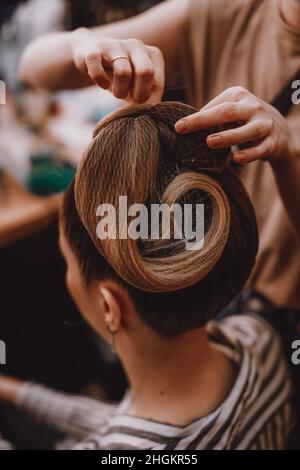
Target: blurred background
42, 137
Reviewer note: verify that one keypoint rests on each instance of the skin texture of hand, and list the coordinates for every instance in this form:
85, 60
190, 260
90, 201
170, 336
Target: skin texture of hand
256, 127
138, 74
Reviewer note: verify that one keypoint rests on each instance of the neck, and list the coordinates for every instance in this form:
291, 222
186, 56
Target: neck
290, 10
165, 373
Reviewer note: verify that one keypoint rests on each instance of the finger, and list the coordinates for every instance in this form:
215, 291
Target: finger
158, 85
143, 71
230, 94
251, 131
93, 66
121, 71
261, 151
228, 112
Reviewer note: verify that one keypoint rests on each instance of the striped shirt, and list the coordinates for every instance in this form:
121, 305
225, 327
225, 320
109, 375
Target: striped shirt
255, 415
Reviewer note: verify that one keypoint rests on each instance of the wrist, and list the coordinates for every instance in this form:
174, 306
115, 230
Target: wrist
288, 151
76, 37
282, 162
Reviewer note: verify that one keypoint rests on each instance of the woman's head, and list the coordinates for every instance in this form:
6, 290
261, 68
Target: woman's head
137, 153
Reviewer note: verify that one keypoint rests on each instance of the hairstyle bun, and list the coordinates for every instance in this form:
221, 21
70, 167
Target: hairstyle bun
126, 158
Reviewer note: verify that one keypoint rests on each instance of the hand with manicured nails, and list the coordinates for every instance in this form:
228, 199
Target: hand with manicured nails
258, 129
131, 70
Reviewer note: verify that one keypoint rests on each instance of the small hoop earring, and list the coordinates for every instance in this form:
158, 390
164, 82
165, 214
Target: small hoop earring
113, 340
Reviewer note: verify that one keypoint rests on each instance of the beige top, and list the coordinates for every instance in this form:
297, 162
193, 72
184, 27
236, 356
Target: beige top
247, 42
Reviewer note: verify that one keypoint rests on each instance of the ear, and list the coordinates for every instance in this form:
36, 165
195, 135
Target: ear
111, 306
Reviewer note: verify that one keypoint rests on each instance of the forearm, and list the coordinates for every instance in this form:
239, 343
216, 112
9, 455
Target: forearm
48, 61
74, 416
10, 389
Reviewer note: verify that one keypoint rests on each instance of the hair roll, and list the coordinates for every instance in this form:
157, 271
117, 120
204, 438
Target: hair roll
137, 153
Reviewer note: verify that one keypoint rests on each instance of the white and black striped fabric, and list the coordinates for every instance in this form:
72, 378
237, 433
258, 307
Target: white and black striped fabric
255, 415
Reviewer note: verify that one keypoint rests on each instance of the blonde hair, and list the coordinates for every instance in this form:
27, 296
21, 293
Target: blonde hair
124, 158
136, 152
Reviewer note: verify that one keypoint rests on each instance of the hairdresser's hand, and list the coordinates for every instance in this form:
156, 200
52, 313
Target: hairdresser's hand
258, 129
136, 76
9, 389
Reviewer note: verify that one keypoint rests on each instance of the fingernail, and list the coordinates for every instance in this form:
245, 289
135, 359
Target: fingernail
240, 157
215, 140
181, 126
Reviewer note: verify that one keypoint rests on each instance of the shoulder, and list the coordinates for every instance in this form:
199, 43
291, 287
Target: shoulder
223, 7
253, 333
222, 12
257, 348
265, 390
